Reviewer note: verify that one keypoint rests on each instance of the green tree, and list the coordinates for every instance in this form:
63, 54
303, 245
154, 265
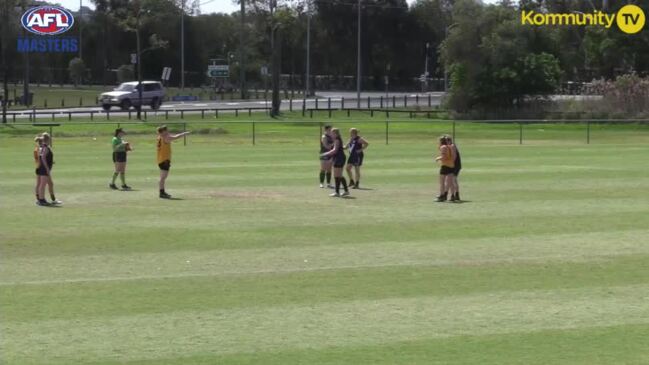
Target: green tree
77, 70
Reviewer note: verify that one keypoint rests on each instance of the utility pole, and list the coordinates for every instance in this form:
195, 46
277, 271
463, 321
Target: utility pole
242, 52
275, 47
139, 62
425, 83
308, 50
358, 60
81, 29
182, 47
3, 34
26, 68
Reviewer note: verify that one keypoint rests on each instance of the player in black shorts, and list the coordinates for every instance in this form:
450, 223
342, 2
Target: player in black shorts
338, 154
326, 144
456, 169
120, 149
356, 146
44, 169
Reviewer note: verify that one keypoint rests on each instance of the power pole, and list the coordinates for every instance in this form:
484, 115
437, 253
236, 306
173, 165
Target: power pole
26, 68
308, 50
81, 29
358, 60
3, 34
182, 47
242, 52
139, 62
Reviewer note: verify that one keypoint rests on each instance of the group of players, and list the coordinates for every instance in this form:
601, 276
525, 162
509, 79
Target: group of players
332, 156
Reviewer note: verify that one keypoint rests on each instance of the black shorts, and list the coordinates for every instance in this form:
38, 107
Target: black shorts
165, 165
456, 171
41, 171
356, 159
339, 162
445, 170
119, 156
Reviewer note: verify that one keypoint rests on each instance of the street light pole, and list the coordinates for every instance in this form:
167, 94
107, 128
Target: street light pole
242, 52
425, 83
446, 31
139, 63
358, 60
308, 50
5, 85
81, 29
182, 47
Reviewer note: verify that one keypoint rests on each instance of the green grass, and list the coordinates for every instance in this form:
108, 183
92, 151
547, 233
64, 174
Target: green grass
545, 263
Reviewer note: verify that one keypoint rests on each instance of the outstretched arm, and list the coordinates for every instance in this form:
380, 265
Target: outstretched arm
174, 137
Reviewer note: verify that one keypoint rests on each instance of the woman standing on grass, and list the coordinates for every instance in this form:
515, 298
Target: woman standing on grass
356, 147
446, 159
338, 154
44, 170
164, 156
326, 143
120, 149
456, 169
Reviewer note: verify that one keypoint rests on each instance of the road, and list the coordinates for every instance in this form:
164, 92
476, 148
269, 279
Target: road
324, 100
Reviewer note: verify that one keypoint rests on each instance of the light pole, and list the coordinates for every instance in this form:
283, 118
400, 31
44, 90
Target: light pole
308, 50
3, 33
358, 60
242, 52
182, 47
446, 31
81, 30
139, 62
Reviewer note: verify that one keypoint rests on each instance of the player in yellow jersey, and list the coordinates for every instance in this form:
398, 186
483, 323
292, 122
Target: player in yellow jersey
164, 155
446, 159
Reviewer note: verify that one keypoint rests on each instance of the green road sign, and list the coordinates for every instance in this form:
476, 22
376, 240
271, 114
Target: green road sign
218, 71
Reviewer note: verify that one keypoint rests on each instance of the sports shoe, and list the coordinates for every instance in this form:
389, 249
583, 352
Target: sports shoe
321, 186
351, 182
453, 198
113, 186
334, 195
330, 186
457, 196
165, 196
56, 202
42, 203
346, 193
441, 198
126, 187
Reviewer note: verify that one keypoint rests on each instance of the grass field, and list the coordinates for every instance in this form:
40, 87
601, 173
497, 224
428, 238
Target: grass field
546, 262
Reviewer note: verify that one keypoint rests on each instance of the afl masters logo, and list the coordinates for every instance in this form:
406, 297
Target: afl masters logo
47, 20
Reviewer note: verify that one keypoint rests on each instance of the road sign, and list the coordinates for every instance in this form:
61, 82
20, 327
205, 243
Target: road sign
166, 74
218, 71
133, 58
264, 70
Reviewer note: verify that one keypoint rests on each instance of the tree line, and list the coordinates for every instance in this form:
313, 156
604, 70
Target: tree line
486, 55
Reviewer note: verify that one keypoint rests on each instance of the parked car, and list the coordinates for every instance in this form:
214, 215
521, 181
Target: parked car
127, 95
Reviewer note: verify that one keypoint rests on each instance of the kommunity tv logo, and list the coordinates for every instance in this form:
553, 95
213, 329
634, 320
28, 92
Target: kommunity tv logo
629, 19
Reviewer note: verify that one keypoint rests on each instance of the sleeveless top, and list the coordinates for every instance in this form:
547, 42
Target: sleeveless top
49, 156
340, 154
355, 146
330, 142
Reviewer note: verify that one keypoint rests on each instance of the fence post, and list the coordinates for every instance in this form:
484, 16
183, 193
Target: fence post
588, 132
429, 102
329, 113
381, 101
316, 102
107, 114
417, 99
405, 101
129, 115
250, 112
368, 102
329, 103
253, 134
167, 114
81, 101
371, 113
202, 114
236, 113
348, 113
342, 103
290, 104
145, 115
394, 101
92, 115
387, 133
185, 136
216, 113
53, 117
311, 113
520, 133
69, 116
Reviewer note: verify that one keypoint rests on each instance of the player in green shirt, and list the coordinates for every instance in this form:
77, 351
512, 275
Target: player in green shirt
120, 148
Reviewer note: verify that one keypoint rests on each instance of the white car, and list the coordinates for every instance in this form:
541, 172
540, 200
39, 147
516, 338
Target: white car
127, 95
